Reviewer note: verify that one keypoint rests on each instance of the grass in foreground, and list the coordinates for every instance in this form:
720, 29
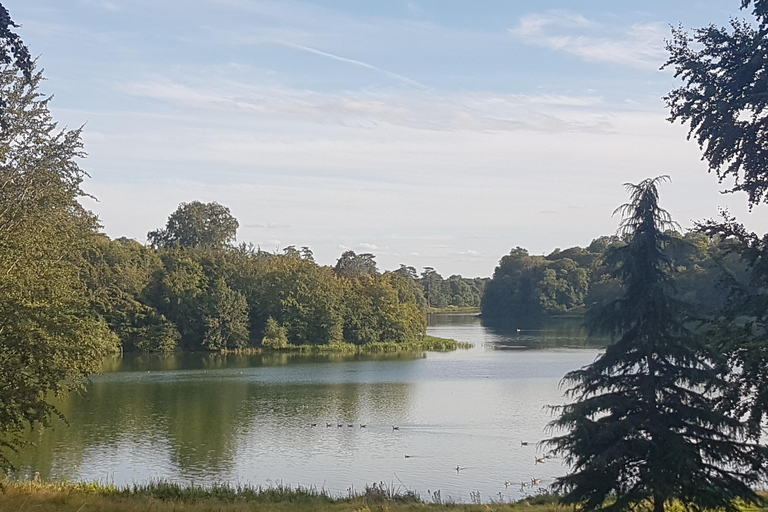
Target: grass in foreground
167, 496
171, 497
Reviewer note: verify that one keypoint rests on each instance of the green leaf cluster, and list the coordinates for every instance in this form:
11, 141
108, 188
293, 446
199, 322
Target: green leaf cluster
224, 298
50, 337
578, 280
437, 292
723, 100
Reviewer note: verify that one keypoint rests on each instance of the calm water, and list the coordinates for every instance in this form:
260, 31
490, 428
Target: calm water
204, 419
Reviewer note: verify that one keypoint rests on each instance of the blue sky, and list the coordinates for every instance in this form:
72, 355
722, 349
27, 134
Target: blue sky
430, 133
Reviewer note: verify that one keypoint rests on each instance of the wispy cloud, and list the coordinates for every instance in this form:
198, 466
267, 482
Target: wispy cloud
339, 58
639, 45
470, 111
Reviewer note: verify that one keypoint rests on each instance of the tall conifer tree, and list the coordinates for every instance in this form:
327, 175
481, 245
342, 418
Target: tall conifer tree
644, 426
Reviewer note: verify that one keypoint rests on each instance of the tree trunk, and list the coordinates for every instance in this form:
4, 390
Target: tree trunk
658, 504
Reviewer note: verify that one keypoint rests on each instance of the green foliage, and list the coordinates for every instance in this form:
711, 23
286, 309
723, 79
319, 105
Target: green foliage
425, 343
223, 298
14, 55
226, 319
13, 52
740, 330
527, 287
353, 265
274, 335
177, 291
646, 424
50, 338
302, 296
196, 224
723, 98
442, 293
118, 274
379, 308
577, 280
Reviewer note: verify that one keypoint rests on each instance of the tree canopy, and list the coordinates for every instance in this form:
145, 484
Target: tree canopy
196, 224
723, 99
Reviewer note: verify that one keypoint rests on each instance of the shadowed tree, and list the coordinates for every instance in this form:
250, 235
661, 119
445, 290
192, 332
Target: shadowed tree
13, 55
724, 99
12, 49
646, 425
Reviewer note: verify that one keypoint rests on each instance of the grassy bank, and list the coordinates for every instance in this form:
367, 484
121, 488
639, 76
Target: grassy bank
427, 343
432, 343
166, 497
467, 310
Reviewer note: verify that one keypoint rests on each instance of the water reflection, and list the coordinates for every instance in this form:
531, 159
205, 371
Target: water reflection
203, 418
133, 362
196, 428
555, 332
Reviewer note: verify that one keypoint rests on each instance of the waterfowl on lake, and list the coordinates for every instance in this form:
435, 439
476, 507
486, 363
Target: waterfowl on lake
313, 424
363, 425
523, 443
507, 483
535, 481
395, 428
328, 424
540, 460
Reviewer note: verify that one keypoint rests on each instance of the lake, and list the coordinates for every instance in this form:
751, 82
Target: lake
249, 419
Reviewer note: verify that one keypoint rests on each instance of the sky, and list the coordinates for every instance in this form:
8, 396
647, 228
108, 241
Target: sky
435, 133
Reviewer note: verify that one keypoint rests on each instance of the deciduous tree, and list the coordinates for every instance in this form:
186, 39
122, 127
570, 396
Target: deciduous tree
50, 338
196, 224
724, 100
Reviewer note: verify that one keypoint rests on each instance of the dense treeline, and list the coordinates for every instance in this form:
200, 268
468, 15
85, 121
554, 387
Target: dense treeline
575, 280
440, 293
228, 298
191, 289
